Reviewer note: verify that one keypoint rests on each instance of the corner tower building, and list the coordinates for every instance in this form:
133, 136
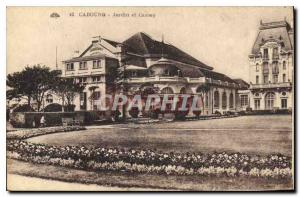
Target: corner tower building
272, 67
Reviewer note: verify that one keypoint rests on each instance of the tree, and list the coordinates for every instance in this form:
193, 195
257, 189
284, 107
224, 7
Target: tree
92, 97
66, 89
32, 83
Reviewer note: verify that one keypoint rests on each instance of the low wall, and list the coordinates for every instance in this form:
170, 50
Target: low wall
32, 119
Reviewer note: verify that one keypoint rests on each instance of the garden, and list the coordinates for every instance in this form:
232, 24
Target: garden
163, 160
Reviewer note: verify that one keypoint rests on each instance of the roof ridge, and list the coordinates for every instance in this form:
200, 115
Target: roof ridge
141, 34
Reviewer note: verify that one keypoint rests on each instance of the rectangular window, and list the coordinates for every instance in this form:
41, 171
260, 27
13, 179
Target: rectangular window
275, 69
265, 68
244, 100
266, 78
96, 79
82, 79
257, 68
167, 72
283, 78
82, 65
96, 95
283, 103
134, 73
275, 78
257, 79
96, 64
206, 100
266, 54
70, 66
83, 100
275, 53
257, 104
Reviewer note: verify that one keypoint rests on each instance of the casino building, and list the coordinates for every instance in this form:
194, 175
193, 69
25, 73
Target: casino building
272, 67
148, 65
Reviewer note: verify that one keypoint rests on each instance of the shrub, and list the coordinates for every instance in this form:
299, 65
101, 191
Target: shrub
69, 108
23, 108
248, 109
218, 113
134, 112
180, 115
54, 107
197, 113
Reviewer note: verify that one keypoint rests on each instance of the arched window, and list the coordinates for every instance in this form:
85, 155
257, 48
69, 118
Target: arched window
231, 100
283, 78
167, 90
182, 90
269, 100
257, 79
257, 67
224, 100
216, 99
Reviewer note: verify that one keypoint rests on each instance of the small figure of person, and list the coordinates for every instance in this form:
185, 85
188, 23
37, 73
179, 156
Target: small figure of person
42, 121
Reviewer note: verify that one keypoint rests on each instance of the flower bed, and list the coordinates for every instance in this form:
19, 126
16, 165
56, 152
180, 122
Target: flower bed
149, 161
27, 133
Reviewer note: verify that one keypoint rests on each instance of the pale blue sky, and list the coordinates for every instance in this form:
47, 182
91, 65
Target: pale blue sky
221, 37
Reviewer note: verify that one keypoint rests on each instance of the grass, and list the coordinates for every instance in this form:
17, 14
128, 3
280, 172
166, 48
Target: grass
249, 134
150, 181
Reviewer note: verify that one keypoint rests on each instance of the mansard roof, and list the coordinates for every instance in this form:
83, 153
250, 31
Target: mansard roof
142, 44
279, 31
187, 71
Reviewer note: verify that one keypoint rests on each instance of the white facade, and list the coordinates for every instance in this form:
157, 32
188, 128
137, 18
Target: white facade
272, 67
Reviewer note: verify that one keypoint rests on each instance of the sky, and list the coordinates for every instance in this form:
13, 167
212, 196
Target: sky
221, 37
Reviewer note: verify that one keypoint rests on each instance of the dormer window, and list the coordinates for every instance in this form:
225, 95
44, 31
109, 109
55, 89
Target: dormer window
151, 73
134, 73
167, 72
275, 53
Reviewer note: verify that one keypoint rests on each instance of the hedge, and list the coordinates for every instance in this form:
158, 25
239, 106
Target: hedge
32, 119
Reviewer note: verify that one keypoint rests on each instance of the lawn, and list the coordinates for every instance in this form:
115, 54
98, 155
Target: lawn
248, 134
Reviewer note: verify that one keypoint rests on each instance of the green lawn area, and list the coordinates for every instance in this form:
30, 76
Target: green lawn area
248, 134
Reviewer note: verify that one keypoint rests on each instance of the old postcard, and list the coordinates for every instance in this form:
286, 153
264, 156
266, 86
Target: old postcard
150, 99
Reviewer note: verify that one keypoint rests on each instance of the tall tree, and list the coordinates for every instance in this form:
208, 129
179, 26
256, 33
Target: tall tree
32, 83
66, 89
